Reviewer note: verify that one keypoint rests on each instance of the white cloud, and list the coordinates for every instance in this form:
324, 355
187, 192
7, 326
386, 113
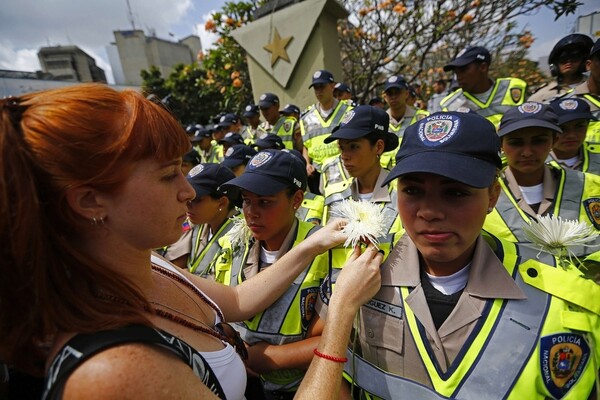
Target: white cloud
19, 60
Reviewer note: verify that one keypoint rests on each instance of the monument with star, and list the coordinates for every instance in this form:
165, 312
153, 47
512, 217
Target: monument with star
285, 46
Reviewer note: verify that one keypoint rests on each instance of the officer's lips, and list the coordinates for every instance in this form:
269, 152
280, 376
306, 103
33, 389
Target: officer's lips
435, 235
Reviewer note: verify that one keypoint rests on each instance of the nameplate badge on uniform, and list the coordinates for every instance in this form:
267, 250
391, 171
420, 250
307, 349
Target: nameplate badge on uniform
386, 308
563, 358
592, 208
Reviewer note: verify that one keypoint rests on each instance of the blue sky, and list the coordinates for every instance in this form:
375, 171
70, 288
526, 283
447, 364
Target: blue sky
27, 25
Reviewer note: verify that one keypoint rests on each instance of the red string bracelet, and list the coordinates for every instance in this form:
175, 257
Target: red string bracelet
328, 357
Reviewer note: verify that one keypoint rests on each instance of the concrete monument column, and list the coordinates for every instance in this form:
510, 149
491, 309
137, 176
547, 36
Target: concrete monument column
285, 48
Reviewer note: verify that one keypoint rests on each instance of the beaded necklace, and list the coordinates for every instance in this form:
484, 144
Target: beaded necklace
216, 332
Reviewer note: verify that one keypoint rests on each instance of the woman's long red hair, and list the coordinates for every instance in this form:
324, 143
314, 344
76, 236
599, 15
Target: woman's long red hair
51, 141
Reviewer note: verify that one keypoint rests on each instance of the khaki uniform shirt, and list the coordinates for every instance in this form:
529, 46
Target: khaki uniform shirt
549, 191
384, 334
552, 91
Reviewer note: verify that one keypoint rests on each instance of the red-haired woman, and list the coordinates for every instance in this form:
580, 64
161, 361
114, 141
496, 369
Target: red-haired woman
90, 182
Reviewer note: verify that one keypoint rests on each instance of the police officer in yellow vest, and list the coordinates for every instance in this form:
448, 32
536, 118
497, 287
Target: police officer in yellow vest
462, 314
395, 94
570, 150
567, 63
210, 214
362, 137
272, 189
250, 131
590, 92
205, 145
530, 188
316, 124
477, 92
286, 127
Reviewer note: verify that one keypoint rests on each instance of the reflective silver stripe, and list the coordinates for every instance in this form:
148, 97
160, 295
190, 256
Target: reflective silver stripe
572, 193
200, 266
339, 196
383, 384
493, 375
496, 371
313, 127
592, 159
495, 107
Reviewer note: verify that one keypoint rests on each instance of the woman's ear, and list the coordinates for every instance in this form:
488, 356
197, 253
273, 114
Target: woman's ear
494, 194
84, 200
298, 199
380, 146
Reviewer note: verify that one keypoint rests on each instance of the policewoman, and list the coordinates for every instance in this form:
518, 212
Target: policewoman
529, 187
362, 138
210, 214
461, 313
272, 189
570, 150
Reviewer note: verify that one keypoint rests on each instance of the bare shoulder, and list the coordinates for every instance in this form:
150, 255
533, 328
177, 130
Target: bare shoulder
134, 371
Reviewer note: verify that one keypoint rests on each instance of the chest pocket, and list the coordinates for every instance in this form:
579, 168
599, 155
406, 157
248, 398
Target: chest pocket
381, 332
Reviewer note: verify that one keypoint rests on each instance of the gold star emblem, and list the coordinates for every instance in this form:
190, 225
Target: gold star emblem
277, 47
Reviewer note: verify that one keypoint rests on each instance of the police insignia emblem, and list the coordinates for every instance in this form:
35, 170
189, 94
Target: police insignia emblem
222, 119
530, 108
463, 109
196, 170
568, 104
438, 129
263, 96
347, 117
260, 159
229, 152
392, 79
592, 209
515, 94
308, 298
287, 126
317, 74
249, 107
461, 53
563, 358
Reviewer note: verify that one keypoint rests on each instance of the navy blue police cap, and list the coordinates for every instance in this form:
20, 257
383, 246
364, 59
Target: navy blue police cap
269, 141
395, 81
360, 122
460, 146
232, 138
528, 115
206, 178
267, 100
570, 109
251, 110
321, 76
469, 55
237, 155
269, 172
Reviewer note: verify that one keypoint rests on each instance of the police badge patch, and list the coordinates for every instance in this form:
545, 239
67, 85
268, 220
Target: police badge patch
438, 129
515, 94
563, 358
196, 170
260, 159
592, 209
308, 298
530, 108
287, 126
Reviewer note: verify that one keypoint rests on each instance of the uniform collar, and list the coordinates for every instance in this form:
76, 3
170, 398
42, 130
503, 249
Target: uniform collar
488, 277
409, 112
380, 194
549, 189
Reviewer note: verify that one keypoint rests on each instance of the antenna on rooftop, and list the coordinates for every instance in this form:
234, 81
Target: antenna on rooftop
131, 19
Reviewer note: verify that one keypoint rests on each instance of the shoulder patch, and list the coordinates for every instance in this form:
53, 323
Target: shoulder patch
592, 209
308, 298
515, 94
563, 358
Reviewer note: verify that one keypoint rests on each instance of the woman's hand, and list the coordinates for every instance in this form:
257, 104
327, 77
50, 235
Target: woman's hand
359, 280
328, 236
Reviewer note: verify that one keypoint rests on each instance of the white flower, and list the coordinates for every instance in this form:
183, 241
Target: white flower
556, 235
239, 234
365, 221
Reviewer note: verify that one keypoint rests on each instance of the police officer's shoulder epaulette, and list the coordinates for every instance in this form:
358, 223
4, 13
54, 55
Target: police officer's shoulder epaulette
567, 284
307, 110
336, 188
543, 85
